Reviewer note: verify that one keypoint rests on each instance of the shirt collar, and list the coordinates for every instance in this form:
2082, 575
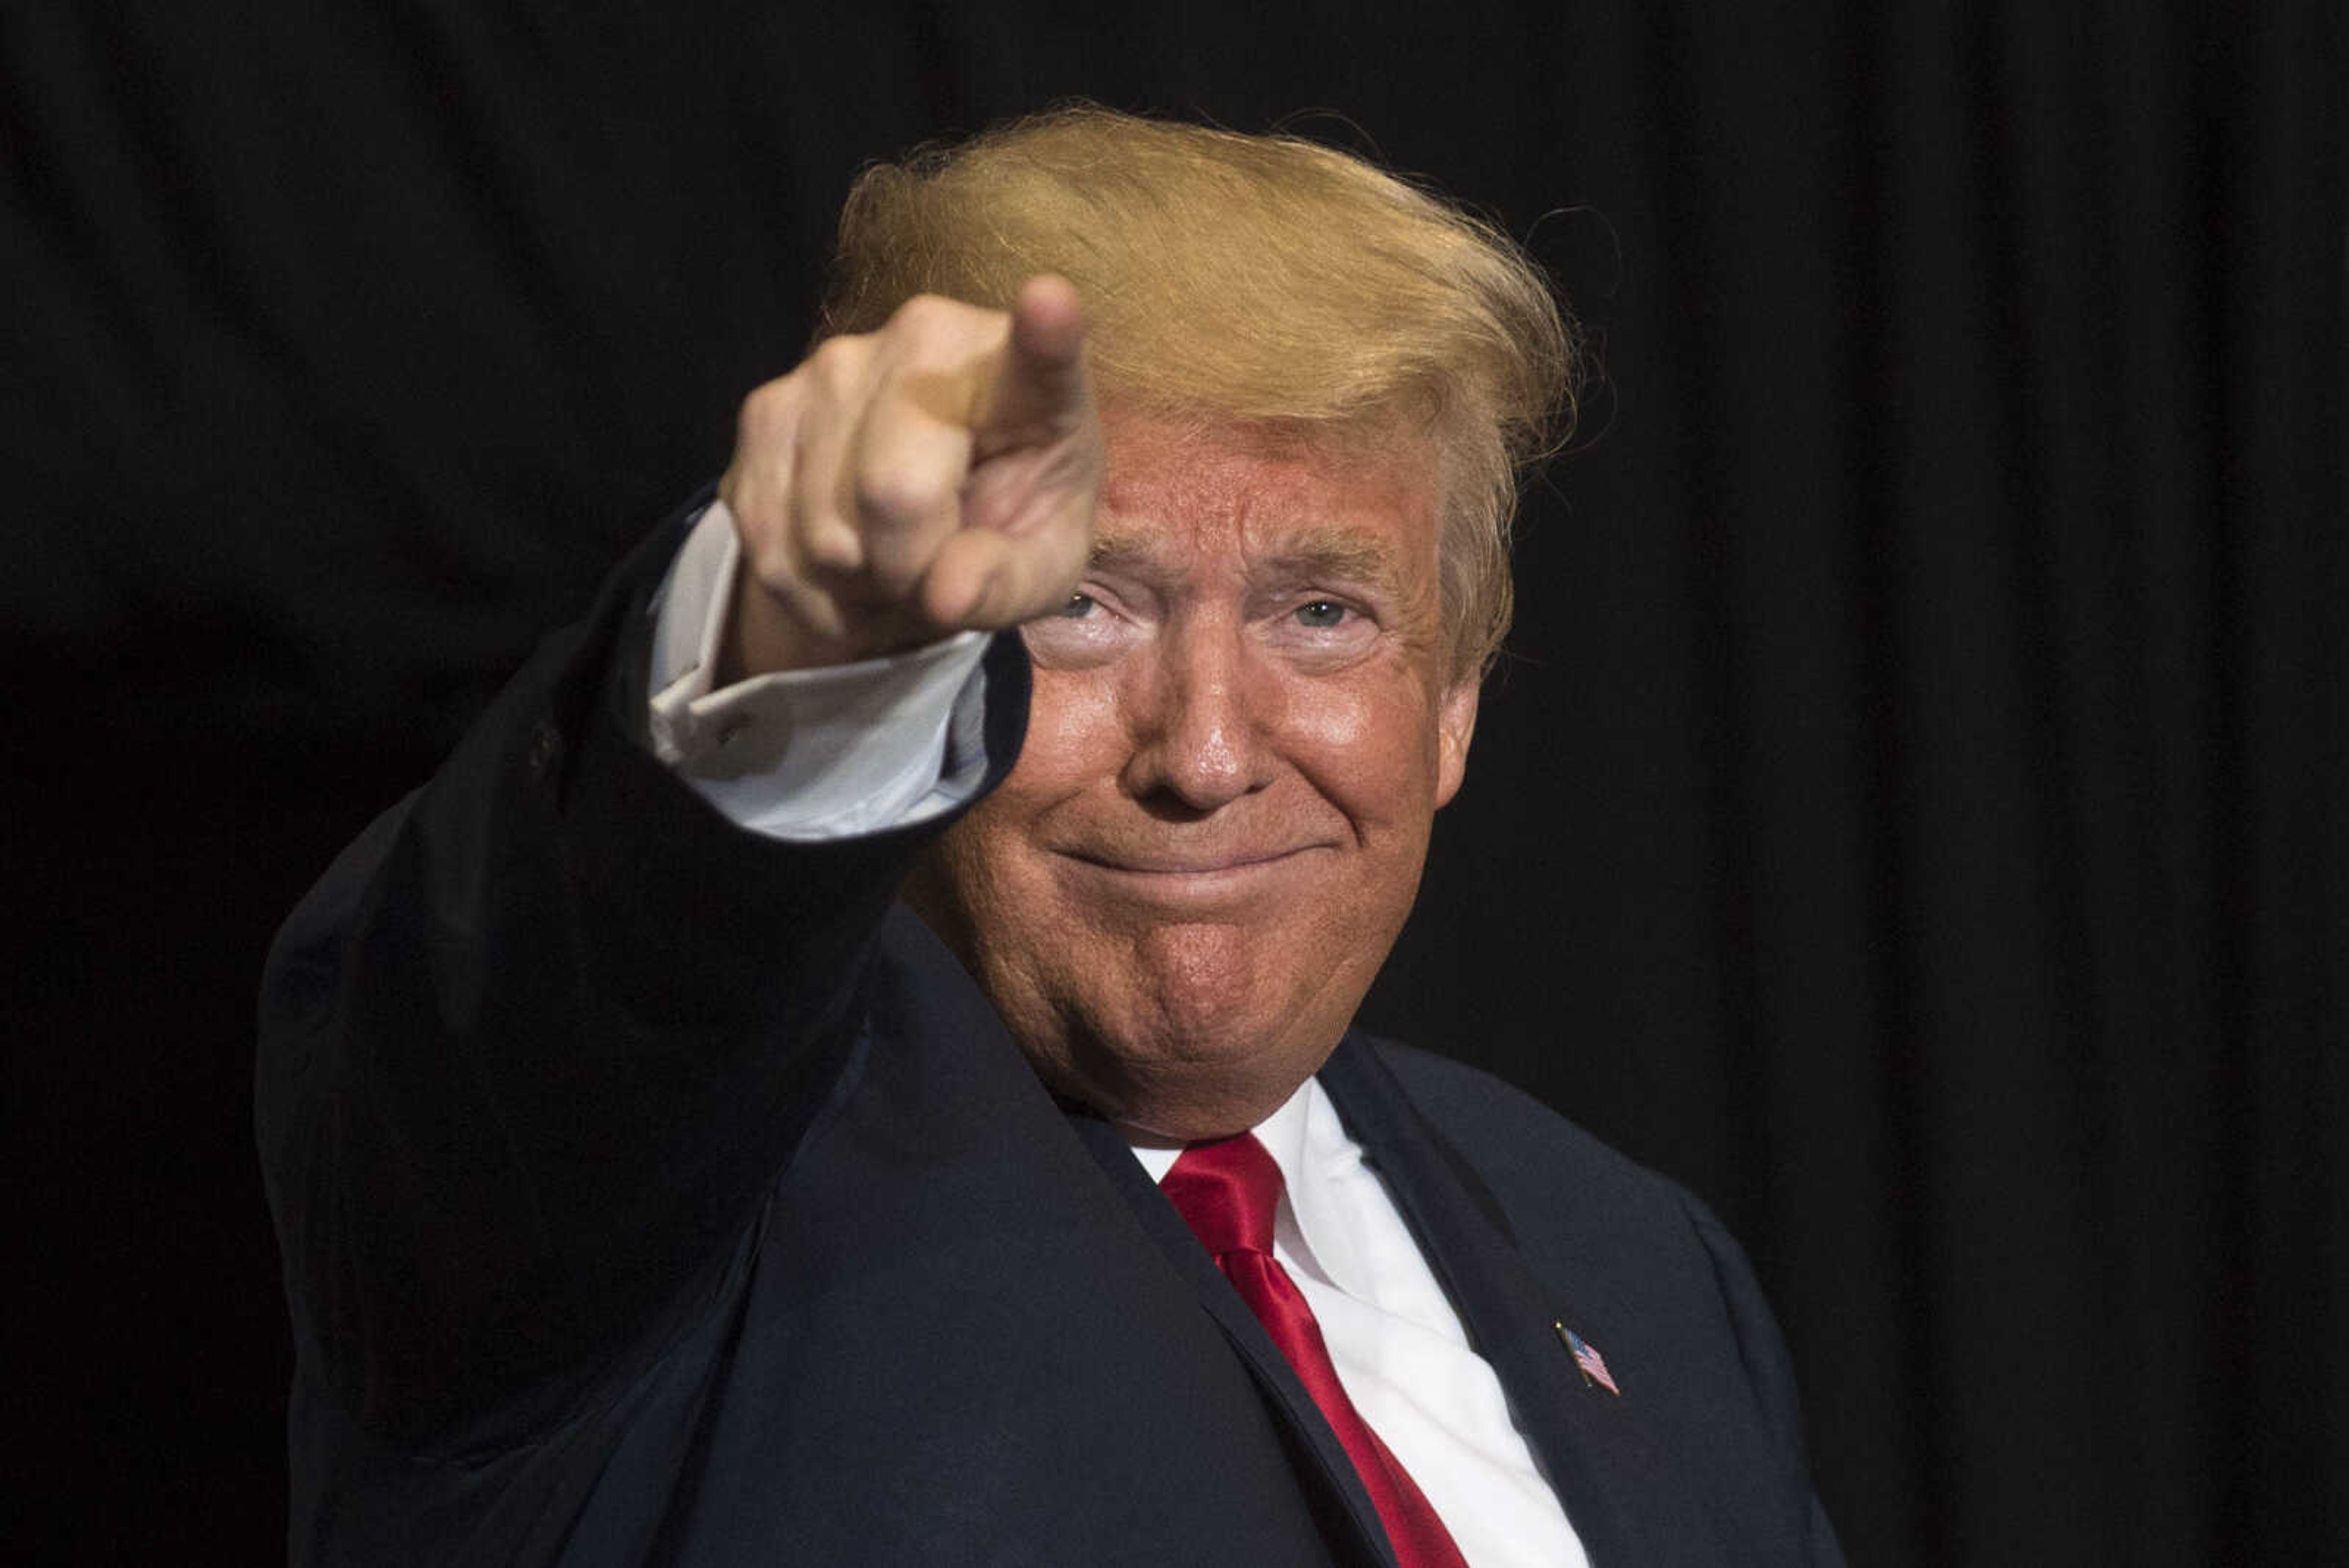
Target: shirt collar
1316, 1159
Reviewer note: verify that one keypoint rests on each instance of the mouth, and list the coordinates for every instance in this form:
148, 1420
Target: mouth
1147, 865
1188, 877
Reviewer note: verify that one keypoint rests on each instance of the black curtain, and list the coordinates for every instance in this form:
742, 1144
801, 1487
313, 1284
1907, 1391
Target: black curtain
1912, 812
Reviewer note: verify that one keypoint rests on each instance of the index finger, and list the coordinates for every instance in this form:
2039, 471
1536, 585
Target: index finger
1038, 390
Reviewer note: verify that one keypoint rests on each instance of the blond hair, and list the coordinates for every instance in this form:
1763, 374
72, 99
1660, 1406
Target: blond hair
1252, 277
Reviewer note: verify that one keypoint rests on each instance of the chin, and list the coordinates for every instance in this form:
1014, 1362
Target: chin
1181, 1100
1206, 990
1196, 1039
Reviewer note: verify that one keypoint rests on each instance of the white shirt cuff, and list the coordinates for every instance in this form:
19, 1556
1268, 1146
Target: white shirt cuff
808, 755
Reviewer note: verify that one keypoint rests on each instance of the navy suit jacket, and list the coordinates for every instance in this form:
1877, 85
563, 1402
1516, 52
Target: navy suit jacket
651, 1191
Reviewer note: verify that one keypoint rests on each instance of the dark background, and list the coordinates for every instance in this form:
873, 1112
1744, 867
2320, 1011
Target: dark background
1913, 813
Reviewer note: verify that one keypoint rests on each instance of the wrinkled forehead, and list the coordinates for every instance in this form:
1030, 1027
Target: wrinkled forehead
1356, 501
1400, 434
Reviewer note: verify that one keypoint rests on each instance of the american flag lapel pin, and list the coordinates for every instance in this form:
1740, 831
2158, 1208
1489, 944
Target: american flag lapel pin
1587, 1360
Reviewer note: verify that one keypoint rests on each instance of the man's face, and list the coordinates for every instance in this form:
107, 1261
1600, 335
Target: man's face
1241, 731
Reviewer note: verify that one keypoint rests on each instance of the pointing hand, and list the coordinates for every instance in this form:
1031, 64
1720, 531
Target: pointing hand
937, 475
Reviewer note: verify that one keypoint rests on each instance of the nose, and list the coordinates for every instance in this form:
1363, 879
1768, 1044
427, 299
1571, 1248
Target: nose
1199, 710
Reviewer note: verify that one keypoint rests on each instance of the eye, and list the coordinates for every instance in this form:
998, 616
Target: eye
1322, 614
1078, 607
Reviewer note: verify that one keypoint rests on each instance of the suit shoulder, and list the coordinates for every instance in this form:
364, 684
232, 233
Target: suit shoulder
1653, 1273
1518, 1142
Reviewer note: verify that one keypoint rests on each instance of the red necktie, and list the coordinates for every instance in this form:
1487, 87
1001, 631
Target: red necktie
1225, 1192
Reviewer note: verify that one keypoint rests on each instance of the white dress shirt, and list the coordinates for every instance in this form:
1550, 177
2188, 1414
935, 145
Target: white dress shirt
825, 754
1398, 1346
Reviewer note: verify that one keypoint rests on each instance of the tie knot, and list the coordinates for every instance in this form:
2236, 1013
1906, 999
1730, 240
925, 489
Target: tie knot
1226, 1191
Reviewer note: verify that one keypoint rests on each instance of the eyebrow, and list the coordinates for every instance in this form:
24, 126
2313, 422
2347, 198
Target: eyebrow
1310, 554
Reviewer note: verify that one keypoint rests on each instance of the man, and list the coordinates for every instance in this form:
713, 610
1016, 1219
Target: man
1117, 575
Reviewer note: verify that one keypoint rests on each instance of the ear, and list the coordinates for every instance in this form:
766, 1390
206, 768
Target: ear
1455, 721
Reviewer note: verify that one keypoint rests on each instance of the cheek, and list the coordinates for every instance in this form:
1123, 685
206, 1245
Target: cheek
1075, 734
1371, 751
1331, 724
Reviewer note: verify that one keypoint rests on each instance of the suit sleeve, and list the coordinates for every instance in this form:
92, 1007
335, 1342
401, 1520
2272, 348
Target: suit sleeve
537, 1045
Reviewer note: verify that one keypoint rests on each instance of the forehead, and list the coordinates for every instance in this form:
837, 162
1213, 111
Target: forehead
1176, 488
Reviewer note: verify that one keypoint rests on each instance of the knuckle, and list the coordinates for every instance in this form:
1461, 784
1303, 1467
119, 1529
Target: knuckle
771, 561
894, 492
766, 407
930, 328
830, 547
925, 313
835, 362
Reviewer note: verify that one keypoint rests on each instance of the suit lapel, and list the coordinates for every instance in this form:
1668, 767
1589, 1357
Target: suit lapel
1615, 1480
1335, 1489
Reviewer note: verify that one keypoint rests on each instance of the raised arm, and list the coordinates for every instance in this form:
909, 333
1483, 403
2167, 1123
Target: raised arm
539, 1040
